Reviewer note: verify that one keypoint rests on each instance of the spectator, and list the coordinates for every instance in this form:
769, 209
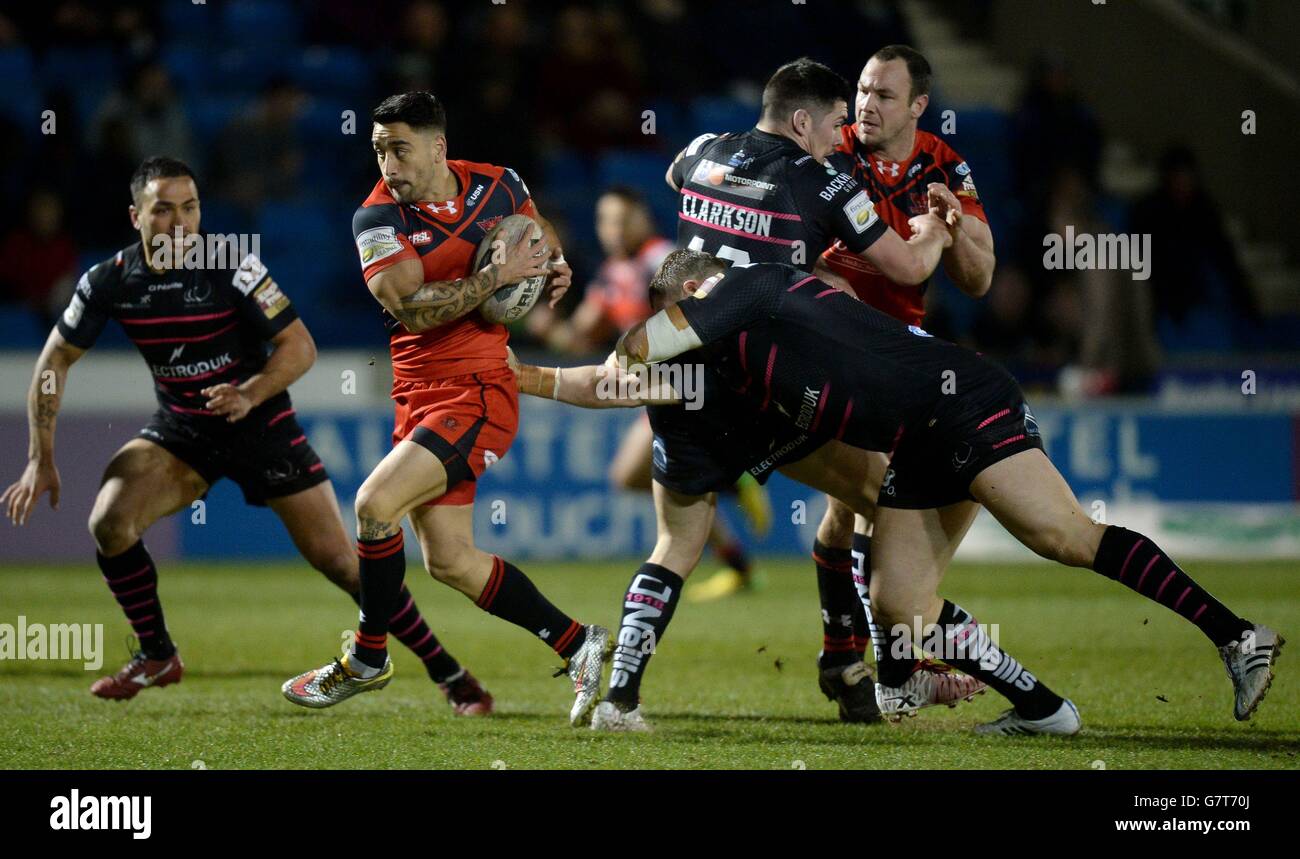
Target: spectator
38, 261
1054, 129
619, 297
260, 155
149, 112
1194, 265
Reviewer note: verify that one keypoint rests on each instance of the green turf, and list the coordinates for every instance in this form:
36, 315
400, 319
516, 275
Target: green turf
732, 686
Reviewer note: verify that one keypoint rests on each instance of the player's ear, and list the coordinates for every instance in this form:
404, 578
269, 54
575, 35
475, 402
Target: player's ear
919, 104
689, 286
801, 120
135, 215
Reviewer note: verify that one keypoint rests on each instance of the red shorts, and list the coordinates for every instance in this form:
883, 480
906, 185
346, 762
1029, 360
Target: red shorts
468, 422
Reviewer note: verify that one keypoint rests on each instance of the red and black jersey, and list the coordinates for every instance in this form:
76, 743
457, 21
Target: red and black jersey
444, 236
898, 190
195, 327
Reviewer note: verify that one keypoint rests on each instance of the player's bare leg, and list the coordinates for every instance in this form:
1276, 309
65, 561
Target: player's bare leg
142, 484
631, 469
313, 520
407, 476
683, 523
912, 549
1033, 502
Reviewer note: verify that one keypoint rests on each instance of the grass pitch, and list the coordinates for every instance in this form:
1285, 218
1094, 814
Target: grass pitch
733, 684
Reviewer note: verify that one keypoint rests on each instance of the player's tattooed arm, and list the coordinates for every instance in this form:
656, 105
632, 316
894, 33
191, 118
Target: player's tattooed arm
421, 306
43, 400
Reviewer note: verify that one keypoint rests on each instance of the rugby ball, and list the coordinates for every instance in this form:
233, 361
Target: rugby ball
510, 302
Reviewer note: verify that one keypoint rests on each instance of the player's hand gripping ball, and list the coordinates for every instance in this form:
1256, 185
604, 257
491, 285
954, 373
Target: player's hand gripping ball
513, 300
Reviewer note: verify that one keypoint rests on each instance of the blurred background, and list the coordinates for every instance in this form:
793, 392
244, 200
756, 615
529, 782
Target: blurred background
1175, 398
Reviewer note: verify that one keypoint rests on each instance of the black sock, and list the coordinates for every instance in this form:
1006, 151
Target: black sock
133, 579
838, 597
647, 608
409, 627
383, 566
967, 647
1138, 563
510, 595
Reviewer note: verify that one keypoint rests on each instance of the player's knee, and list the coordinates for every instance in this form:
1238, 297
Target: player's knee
113, 531
451, 571
1072, 544
374, 505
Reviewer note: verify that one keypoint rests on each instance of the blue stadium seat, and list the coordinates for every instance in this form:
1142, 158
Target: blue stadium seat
16, 67
260, 22
306, 246
210, 114
645, 172
244, 70
339, 72
191, 23
190, 66
720, 114
75, 68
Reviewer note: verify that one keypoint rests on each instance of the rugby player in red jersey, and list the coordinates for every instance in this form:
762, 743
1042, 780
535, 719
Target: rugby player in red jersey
457, 404
906, 171
223, 411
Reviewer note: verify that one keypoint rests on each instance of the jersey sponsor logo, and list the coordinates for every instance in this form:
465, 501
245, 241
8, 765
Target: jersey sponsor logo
712, 173
919, 331
968, 188
836, 185
861, 212
473, 197
801, 160
72, 315
445, 208
888, 168
270, 299
739, 160
695, 144
489, 458
914, 169
961, 169
186, 371
249, 274
198, 293
520, 180
423, 237
728, 217
486, 224
808, 407
375, 244
163, 287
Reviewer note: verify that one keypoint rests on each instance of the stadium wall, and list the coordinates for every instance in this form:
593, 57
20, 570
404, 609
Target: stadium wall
1202, 481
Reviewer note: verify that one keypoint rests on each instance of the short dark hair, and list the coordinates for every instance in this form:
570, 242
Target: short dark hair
677, 268
627, 194
421, 110
803, 83
158, 167
918, 67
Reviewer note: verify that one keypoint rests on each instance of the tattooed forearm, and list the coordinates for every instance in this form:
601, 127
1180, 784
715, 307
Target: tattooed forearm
440, 302
374, 529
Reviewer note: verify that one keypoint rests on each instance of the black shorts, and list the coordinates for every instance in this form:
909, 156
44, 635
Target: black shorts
266, 454
934, 463
708, 449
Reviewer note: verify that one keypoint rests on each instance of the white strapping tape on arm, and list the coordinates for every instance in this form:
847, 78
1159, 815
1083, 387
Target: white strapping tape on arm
665, 340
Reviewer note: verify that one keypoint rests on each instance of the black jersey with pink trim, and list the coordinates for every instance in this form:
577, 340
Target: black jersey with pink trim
758, 197
832, 366
195, 327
